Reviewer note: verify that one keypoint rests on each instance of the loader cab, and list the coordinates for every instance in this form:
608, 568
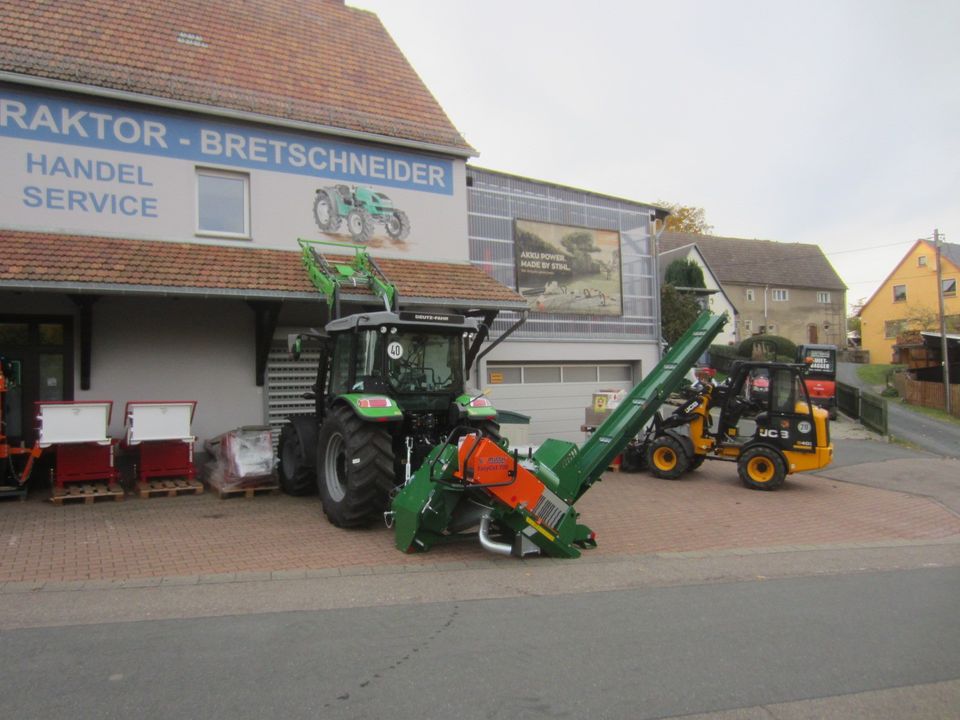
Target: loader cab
782, 412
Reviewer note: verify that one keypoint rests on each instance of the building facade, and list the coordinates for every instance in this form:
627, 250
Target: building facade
159, 170
585, 264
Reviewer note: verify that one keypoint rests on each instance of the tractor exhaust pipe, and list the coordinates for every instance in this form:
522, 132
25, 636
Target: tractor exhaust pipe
498, 548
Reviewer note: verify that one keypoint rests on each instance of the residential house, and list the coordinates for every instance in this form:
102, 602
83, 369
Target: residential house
907, 300
786, 289
714, 297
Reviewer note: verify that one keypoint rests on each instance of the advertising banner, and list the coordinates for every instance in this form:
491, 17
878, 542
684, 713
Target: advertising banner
563, 269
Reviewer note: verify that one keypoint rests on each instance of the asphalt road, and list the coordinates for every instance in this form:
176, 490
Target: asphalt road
635, 653
924, 432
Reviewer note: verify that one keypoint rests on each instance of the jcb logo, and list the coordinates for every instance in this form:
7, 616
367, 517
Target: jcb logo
771, 433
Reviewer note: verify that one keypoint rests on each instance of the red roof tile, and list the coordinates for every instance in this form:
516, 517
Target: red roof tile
316, 61
46, 260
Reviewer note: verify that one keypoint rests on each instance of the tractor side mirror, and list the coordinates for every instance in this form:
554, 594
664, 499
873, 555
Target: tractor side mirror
294, 346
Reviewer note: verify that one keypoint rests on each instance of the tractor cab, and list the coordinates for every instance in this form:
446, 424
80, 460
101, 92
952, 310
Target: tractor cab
417, 359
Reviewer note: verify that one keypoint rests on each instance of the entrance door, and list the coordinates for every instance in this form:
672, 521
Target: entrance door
812, 334
40, 353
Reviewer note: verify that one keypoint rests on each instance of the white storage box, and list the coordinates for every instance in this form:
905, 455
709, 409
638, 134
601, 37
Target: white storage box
73, 422
159, 420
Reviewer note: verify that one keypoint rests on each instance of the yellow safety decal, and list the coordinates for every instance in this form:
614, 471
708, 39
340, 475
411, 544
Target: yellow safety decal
540, 530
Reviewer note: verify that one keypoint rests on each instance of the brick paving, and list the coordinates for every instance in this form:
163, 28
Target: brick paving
205, 539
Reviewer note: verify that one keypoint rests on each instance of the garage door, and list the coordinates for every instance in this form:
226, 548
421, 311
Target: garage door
554, 396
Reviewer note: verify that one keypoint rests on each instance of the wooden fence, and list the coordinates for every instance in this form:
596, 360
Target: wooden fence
927, 394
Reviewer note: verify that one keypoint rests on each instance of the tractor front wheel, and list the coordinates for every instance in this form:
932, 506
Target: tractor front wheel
762, 468
360, 225
325, 211
666, 458
398, 225
354, 466
297, 477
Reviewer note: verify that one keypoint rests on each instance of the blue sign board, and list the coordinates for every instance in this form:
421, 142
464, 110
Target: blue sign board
78, 122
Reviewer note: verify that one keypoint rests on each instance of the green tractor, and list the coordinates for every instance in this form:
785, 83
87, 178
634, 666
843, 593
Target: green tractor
391, 385
361, 207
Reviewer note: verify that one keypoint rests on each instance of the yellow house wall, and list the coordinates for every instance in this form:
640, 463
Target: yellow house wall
922, 289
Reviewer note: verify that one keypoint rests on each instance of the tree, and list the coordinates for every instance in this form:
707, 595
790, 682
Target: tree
580, 245
685, 273
678, 311
686, 219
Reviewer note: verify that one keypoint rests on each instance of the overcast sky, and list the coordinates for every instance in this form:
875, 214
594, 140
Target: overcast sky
828, 122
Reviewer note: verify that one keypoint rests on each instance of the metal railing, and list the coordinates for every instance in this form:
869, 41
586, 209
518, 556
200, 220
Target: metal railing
873, 412
869, 409
848, 400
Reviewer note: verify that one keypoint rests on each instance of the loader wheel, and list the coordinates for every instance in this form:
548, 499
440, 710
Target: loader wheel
360, 225
325, 211
354, 468
633, 458
762, 468
398, 225
666, 458
297, 476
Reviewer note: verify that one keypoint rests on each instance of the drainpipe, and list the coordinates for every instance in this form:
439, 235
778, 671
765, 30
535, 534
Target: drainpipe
765, 323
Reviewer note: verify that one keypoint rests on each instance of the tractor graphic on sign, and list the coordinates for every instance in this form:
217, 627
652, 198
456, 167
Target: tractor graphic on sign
360, 207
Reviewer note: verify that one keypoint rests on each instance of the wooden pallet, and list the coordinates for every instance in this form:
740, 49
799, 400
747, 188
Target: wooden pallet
169, 487
86, 492
247, 492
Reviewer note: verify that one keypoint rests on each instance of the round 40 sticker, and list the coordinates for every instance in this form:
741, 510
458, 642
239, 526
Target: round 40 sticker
804, 427
395, 350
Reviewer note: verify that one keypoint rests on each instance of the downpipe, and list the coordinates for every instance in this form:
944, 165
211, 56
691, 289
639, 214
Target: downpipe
488, 544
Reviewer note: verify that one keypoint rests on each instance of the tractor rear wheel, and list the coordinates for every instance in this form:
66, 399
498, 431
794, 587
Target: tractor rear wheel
360, 225
762, 468
354, 468
325, 211
398, 225
666, 458
297, 476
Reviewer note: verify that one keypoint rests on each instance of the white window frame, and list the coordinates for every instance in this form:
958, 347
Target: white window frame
922, 261
780, 295
233, 175
750, 295
748, 325
823, 297
945, 283
902, 299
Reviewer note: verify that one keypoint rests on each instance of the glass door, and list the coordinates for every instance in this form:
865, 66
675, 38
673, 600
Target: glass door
39, 359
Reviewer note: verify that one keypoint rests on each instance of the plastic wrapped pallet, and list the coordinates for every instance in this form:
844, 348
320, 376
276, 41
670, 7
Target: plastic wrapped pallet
241, 458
